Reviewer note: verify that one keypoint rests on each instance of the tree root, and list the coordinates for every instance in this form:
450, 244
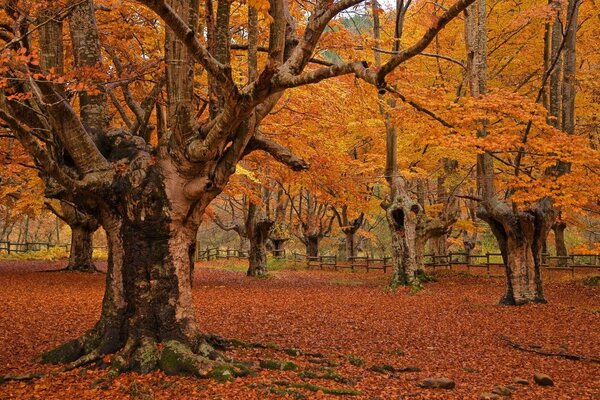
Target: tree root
67, 269
27, 377
568, 356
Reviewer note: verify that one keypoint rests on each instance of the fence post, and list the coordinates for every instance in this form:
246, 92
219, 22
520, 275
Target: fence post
487, 263
450, 261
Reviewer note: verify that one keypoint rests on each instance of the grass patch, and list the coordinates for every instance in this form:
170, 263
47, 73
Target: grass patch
288, 393
383, 368
356, 361
592, 281
277, 264
278, 365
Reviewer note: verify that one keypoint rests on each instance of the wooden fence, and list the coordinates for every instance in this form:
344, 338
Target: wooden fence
12, 247
486, 261
216, 253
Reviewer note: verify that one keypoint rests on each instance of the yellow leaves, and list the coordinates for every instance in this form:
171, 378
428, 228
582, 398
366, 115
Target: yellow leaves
262, 6
239, 170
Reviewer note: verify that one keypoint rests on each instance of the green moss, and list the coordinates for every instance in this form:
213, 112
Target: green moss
287, 393
323, 361
252, 345
293, 352
329, 374
146, 356
416, 287
592, 281
278, 365
424, 277
177, 358
356, 361
383, 368
228, 372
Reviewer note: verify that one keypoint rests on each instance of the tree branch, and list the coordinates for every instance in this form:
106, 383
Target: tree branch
277, 151
189, 38
422, 44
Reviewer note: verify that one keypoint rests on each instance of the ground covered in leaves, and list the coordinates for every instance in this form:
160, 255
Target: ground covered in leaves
323, 334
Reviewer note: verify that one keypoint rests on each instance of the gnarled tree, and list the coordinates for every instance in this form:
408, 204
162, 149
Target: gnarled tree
150, 200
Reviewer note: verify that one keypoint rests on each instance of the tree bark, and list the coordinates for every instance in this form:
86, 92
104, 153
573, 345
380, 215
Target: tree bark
278, 249
258, 249
559, 242
80, 256
439, 245
312, 245
350, 236
520, 236
148, 288
258, 227
402, 215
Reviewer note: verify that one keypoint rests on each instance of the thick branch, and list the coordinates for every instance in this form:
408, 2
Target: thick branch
422, 44
277, 151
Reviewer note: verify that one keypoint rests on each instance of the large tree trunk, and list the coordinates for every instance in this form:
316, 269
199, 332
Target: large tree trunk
439, 245
312, 245
402, 220
278, 249
148, 298
258, 248
559, 242
83, 225
350, 236
520, 236
80, 256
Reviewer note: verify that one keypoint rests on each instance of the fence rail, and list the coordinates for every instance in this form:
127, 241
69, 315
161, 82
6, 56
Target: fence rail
14, 247
216, 253
571, 262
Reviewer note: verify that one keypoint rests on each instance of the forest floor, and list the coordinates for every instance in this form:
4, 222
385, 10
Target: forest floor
360, 337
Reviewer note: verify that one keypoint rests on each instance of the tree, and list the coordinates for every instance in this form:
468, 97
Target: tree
520, 231
254, 226
314, 220
150, 201
349, 227
83, 226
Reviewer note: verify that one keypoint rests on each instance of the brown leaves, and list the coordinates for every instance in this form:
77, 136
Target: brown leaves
450, 329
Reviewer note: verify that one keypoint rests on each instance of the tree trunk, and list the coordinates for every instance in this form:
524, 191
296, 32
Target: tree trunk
258, 248
278, 247
350, 236
559, 242
80, 257
520, 236
439, 245
148, 298
420, 242
402, 220
312, 245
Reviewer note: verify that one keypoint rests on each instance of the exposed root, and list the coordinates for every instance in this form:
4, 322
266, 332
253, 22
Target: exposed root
568, 356
81, 361
27, 377
92, 270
